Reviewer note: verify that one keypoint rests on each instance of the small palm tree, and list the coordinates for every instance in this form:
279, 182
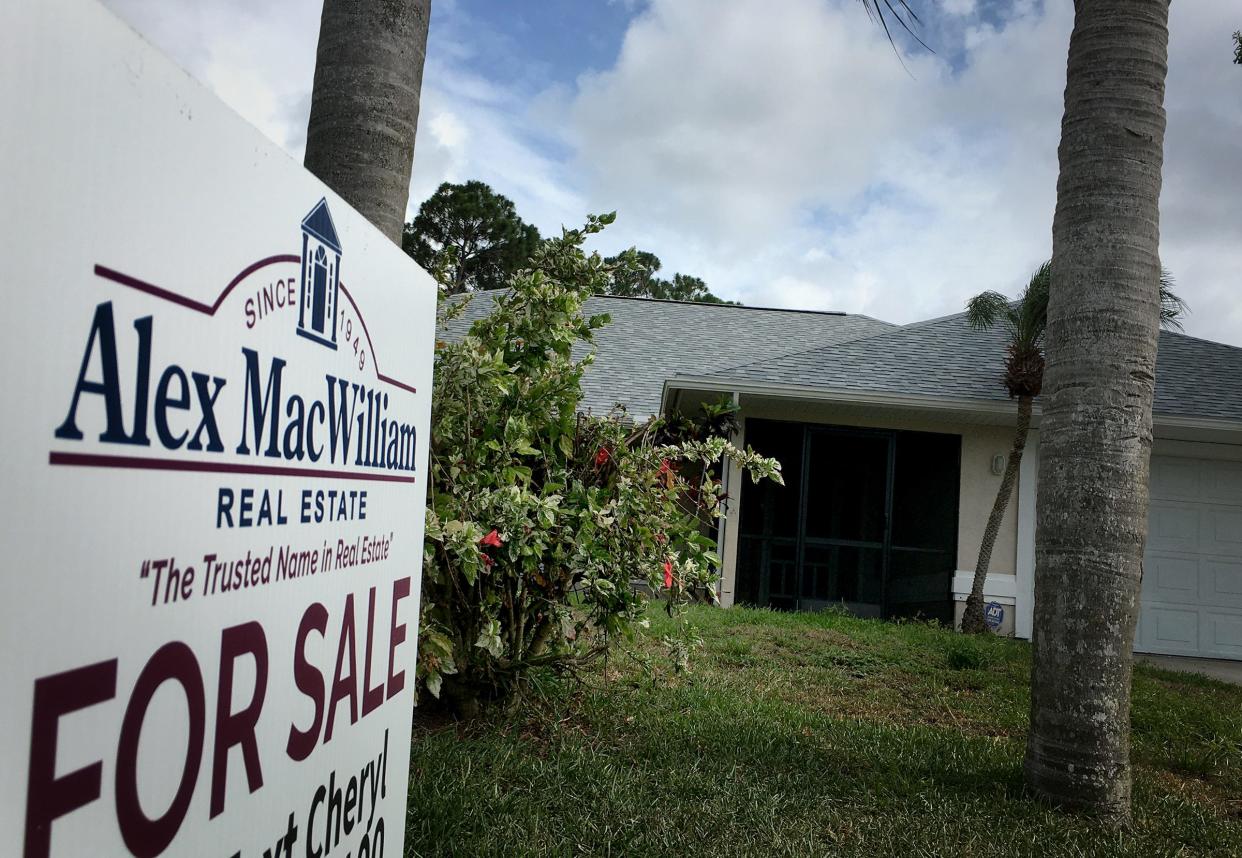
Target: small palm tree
1024, 321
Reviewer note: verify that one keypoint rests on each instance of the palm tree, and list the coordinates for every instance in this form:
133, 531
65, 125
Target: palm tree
1096, 431
1025, 321
364, 106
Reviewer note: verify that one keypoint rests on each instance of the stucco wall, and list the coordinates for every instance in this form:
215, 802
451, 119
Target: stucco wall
978, 493
978, 484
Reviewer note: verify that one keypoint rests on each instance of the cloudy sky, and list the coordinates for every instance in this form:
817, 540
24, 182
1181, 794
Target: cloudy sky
779, 149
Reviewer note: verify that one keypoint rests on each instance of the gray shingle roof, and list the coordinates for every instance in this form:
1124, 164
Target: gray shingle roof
945, 358
1198, 378
650, 341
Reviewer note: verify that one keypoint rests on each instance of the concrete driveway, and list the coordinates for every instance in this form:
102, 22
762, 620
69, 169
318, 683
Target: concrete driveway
1217, 668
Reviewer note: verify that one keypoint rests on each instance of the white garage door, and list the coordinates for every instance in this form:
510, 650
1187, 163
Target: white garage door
1192, 575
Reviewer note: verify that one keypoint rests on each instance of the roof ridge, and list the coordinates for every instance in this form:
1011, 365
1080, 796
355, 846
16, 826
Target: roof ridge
724, 305
874, 335
822, 347
922, 323
1187, 336
838, 313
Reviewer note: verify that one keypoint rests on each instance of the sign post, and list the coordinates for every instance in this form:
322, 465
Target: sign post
216, 394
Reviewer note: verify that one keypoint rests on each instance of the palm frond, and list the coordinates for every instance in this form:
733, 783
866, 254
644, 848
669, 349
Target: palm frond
899, 10
1024, 319
986, 309
1172, 308
1031, 309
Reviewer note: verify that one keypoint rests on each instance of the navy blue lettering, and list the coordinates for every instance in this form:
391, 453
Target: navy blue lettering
311, 450
296, 410
103, 331
207, 404
163, 402
224, 507
339, 421
261, 408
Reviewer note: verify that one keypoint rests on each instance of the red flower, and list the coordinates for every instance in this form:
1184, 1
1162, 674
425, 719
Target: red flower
487, 561
665, 467
668, 574
601, 456
493, 539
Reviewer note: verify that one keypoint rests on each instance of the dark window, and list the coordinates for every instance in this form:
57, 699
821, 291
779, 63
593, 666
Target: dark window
845, 520
769, 524
769, 509
867, 518
923, 553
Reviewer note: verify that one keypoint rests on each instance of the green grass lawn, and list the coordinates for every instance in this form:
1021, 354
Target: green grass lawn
812, 734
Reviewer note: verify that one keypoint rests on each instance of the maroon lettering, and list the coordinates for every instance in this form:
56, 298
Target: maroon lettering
371, 697
146, 837
309, 681
396, 636
237, 728
48, 796
344, 686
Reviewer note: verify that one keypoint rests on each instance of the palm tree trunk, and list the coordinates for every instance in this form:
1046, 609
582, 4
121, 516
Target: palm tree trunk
1103, 322
972, 617
364, 107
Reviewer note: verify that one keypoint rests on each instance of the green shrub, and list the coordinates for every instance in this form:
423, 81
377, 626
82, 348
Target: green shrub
540, 519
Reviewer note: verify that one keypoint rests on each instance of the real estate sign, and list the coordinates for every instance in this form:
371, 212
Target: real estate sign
216, 387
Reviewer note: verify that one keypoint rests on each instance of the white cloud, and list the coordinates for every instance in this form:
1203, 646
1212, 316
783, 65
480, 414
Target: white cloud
743, 138
258, 57
958, 7
734, 140
780, 150
1200, 207
736, 120
448, 130
468, 131
799, 294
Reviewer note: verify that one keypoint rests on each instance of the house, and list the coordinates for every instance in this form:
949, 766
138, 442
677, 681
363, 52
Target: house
893, 440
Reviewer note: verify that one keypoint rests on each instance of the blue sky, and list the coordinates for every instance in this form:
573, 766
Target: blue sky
779, 150
535, 44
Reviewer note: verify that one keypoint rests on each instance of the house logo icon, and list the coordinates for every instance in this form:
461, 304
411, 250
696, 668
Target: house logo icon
321, 276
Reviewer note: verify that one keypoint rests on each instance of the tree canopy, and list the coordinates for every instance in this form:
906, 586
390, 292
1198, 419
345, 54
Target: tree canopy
634, 276
471, 233
473, 238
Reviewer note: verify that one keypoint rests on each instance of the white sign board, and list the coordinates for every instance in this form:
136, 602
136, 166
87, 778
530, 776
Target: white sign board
216, 388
